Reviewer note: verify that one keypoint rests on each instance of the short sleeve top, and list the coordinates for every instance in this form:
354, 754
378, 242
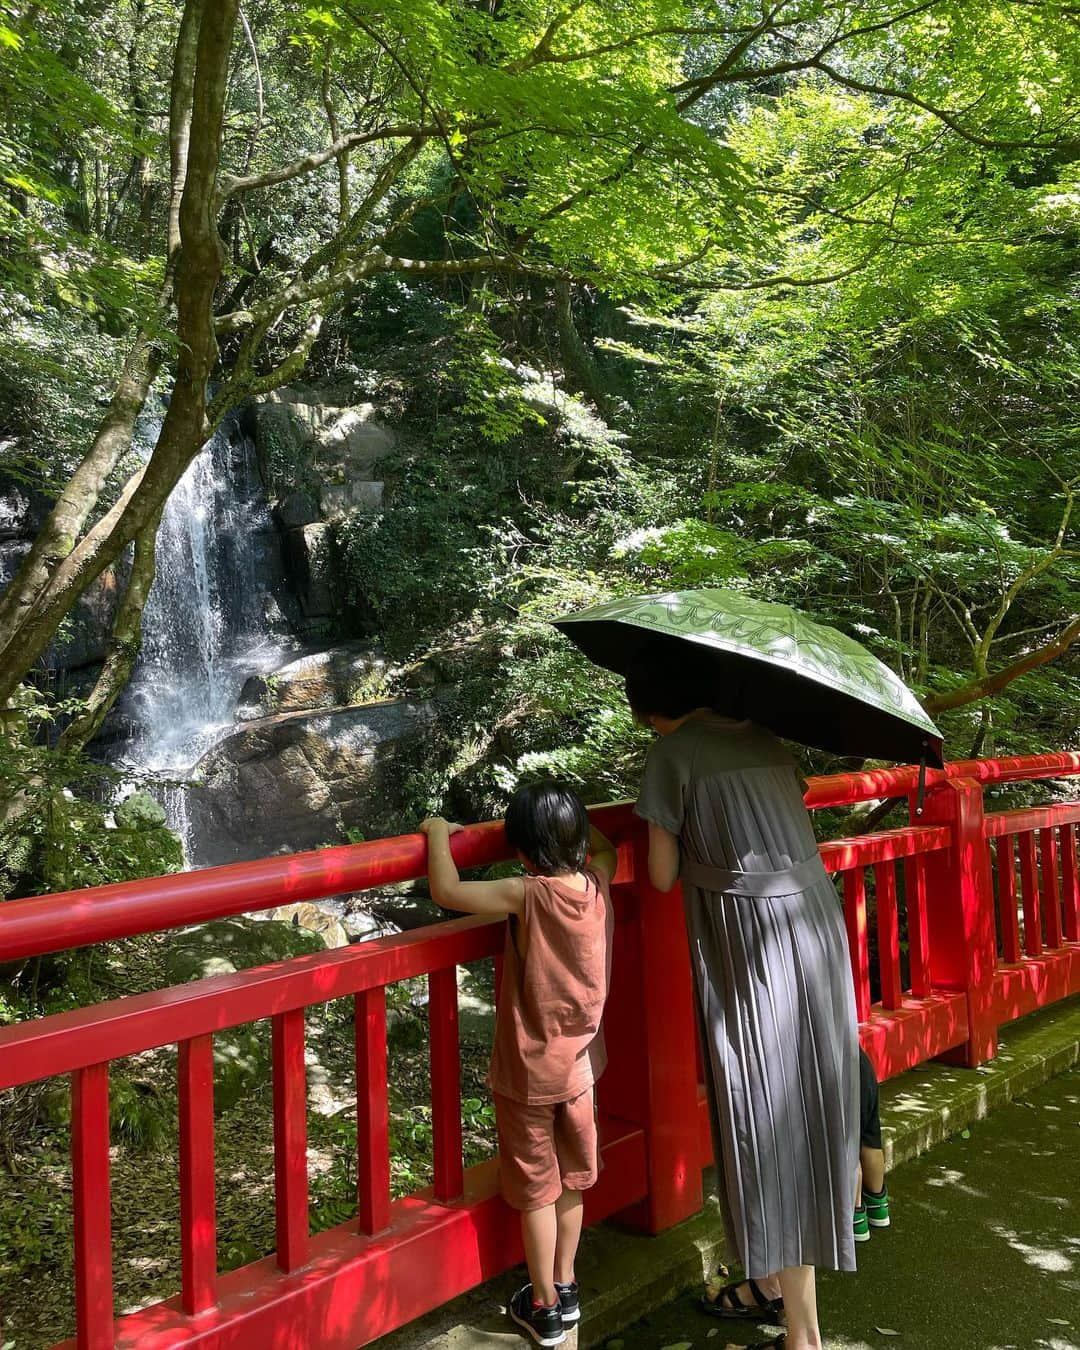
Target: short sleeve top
731, 792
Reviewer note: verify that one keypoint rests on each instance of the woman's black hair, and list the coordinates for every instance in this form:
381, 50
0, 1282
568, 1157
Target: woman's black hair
665, 684
547, 823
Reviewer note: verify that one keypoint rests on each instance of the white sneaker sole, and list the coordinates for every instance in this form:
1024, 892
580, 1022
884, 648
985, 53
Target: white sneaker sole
879, 1223
540, 1340
862, 1237
570, 1318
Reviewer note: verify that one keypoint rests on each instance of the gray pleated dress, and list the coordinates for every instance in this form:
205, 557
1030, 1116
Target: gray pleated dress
775, 1000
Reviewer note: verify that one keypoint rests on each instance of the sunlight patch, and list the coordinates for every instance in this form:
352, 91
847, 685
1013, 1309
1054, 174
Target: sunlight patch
1043, 1258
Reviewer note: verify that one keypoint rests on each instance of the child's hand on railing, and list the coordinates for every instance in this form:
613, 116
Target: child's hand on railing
434, 823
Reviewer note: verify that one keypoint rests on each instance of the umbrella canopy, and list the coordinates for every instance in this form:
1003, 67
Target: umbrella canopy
802, 679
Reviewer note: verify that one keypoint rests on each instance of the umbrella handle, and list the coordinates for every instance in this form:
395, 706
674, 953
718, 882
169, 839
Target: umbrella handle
921, 794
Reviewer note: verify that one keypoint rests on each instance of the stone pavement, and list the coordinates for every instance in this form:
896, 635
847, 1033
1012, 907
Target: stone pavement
983, 1253
985, 1250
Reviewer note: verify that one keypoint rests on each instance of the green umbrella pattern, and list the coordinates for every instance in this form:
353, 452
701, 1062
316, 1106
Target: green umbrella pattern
802, 678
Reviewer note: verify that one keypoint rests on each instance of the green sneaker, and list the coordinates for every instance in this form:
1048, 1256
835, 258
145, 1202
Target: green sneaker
861, 1225
877, 1208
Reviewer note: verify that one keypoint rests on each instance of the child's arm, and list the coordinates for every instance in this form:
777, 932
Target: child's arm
602, 855
472, 897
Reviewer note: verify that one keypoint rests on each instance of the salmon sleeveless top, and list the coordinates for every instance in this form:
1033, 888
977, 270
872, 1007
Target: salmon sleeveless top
556, 970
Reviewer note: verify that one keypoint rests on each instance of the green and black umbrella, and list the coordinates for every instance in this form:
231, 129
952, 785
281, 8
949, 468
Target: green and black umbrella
802, 679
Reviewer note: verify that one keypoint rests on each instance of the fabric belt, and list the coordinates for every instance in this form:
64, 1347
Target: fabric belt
788, 881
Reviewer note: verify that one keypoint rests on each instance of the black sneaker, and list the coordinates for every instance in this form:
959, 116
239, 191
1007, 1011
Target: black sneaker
544, 1325
568, 1298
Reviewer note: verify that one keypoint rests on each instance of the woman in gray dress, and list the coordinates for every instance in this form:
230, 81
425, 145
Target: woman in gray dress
776, 1007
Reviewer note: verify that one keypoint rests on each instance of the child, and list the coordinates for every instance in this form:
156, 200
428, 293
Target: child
872, 1199
548, 1049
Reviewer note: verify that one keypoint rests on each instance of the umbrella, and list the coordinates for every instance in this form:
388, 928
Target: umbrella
802, 679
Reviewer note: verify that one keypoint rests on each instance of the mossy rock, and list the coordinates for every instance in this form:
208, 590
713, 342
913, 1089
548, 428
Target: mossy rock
227, 945
140, 811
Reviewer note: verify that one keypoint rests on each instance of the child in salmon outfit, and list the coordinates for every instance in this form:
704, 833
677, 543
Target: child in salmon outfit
548, 1048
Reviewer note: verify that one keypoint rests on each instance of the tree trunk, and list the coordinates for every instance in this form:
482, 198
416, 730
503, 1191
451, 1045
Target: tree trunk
185, 428
58, 536
123, 646
181, 94
576, 357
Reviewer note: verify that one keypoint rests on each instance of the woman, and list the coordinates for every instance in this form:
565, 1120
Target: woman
776, 1007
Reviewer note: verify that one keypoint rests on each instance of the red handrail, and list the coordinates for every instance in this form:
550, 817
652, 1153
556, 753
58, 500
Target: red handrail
845, 789
981, 951
55, 923
52, 923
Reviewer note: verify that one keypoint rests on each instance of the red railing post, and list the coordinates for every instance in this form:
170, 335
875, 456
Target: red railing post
1070, 883
372, 1111
858, 942
290, 1139
449, 1179
93, 1208
198, 1229
960, 912
651, 1035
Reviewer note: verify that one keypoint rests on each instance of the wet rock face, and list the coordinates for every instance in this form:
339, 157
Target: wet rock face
319, 457
297, 781
325, 679
81, 641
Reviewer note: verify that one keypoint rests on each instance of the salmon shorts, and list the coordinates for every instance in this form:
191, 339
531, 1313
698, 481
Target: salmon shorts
544, 1150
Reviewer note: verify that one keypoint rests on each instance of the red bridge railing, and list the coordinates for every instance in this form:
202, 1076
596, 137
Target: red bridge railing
981, 950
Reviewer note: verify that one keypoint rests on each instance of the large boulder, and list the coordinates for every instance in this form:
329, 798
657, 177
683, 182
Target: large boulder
298, 781
330, 678
313, 919
318, 452
296, 510
358, 494
224, 946
307, 438
310, 568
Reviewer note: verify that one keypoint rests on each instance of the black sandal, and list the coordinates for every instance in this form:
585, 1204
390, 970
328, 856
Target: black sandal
727, 1303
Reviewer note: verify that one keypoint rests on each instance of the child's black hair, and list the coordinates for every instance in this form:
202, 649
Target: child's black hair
548, 825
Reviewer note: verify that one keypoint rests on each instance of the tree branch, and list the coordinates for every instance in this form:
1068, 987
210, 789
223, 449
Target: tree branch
993, 684
230, 184
376, 262
260, 106
950, 119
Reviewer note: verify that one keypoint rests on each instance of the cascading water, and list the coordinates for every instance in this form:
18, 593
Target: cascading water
211, 620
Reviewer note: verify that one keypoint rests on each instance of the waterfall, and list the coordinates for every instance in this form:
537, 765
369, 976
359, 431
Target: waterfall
212, 618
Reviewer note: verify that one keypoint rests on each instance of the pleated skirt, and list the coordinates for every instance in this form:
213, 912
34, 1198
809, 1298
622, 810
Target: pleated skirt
779, 1042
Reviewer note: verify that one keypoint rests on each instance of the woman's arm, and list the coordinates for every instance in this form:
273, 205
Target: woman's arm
663, 857
471, 897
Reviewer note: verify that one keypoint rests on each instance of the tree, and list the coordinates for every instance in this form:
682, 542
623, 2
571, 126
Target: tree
562, 142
